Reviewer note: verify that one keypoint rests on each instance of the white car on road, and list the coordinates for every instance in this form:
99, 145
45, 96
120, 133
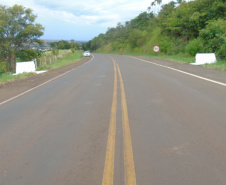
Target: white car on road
86, 54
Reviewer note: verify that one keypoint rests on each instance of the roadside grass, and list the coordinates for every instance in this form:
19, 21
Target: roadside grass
220, 65
174, 58
66, 59
180, 58
9, 77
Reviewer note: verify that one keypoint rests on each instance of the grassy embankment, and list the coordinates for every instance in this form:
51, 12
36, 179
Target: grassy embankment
180, 30
65, 57
219, 65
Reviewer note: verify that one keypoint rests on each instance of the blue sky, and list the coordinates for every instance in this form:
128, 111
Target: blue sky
80, 20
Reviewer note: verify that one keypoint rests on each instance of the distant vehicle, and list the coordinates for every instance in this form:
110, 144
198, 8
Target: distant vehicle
86, 54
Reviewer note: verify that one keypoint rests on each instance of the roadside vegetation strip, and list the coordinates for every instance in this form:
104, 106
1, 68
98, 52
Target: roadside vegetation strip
9, 77
129, 168
190, 74
108, 175
1, 103
220, 65
67, 60
174, 58
148, 29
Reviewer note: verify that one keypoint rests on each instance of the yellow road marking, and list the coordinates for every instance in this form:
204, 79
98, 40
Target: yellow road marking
129, 168
108, 175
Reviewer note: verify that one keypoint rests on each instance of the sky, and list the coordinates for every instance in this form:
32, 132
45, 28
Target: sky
81, 20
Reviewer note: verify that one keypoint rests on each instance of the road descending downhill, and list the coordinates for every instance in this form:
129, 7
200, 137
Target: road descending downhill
118, 120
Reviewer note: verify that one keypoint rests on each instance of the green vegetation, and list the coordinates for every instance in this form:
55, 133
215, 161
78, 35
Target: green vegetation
9, 77
62, 44
181, 29
220, 65
66, 57
28, 54
17, 27
174, 58
19, 30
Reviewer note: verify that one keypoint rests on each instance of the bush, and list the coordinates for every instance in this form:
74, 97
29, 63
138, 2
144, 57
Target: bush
213, 35
137, 38
55, 51
115, 45
165, 44
73, 50
3, 67
194, 46
27, 54
178, 46
221, 53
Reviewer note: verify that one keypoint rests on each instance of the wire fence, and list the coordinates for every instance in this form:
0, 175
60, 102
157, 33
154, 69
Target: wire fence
48, 58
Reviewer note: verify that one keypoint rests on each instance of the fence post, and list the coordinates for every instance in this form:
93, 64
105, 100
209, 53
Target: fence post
35, 61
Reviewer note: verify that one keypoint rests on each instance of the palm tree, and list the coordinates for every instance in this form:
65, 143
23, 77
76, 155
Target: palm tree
179, 1
158, 1
155, 4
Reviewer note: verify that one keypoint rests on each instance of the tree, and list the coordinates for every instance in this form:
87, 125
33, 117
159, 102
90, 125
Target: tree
62, 44
17, 26
53, 45
213, 35
55, 51
27, 54
74, 45
179, 27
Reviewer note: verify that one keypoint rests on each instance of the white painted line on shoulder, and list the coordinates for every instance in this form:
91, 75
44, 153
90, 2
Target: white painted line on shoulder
44, 83
196, 76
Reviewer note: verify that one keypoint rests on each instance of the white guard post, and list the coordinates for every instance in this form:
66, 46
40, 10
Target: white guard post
204, 58
27, 67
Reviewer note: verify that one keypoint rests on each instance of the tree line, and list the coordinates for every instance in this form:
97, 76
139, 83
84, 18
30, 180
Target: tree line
178, 28
63, 44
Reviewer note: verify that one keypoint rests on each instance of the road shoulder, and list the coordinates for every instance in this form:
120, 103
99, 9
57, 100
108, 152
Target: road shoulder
17, 87
212, 74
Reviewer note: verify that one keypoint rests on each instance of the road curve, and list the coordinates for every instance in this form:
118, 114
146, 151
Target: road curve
117, 120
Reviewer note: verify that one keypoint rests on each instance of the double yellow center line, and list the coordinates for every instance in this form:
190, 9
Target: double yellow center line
129, 169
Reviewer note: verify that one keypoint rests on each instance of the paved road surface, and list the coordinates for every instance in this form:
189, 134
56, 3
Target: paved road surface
116, 120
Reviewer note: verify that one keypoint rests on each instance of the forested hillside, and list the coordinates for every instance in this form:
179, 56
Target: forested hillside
179, 28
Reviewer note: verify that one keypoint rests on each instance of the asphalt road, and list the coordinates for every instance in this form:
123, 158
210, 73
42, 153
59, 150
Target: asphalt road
118, 120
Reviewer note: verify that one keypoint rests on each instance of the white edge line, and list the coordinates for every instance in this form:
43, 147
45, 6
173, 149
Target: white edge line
200, 77
44, 83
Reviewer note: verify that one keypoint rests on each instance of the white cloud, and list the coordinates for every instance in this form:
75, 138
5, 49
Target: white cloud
103, 12
77, 14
